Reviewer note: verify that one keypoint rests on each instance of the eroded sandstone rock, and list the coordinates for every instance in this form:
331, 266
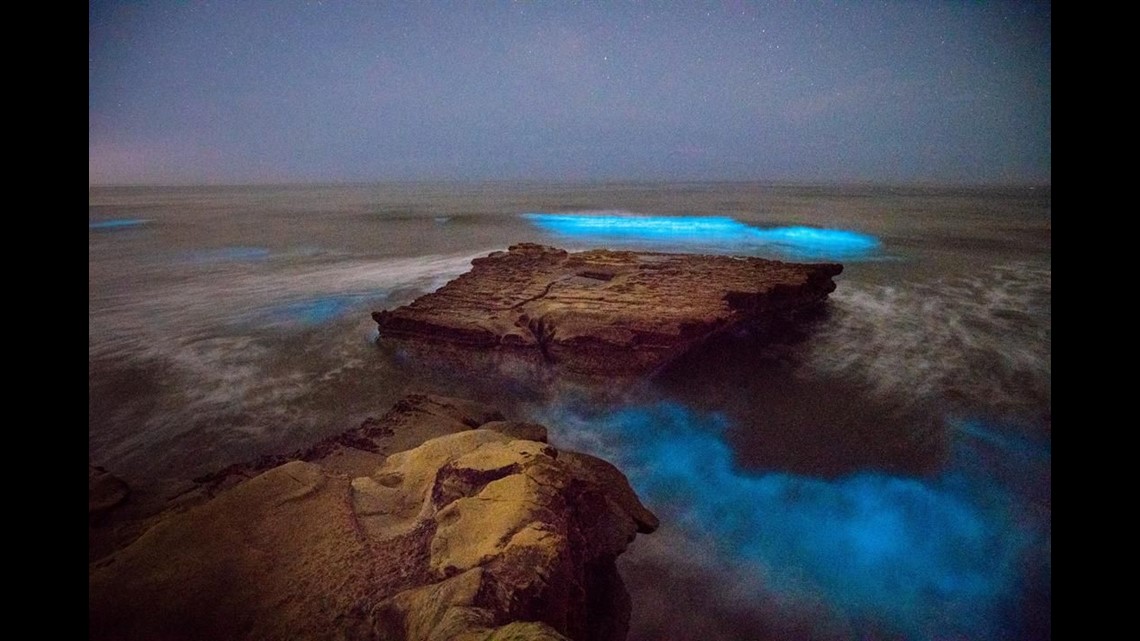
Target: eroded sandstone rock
418, 416
476, 534
600, 311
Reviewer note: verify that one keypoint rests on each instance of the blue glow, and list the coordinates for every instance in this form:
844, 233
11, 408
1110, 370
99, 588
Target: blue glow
117, 223
317, 310
228, 254
923, 558
715, 232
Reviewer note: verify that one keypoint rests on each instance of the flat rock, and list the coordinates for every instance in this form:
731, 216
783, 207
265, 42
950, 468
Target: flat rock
601, 311
476, 534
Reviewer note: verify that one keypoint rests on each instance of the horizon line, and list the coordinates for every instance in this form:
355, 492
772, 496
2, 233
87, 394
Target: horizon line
585, 182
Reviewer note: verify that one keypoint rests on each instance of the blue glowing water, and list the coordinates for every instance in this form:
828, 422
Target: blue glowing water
117, 223
199, 359
705, 232
228, 254
925, 557
317, 310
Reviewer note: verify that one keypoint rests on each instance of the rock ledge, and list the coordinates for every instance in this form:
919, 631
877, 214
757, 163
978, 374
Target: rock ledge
601, 311
481, 533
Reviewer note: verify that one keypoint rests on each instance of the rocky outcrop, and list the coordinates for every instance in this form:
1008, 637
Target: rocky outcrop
476, 534
412, 420
600, 311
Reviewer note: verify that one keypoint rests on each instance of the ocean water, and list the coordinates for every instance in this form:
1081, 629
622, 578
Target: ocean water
886, 475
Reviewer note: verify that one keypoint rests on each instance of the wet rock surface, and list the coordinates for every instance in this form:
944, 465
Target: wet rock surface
602, 312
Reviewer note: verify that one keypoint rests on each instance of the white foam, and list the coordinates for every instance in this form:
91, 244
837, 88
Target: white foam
983, 340
223, 373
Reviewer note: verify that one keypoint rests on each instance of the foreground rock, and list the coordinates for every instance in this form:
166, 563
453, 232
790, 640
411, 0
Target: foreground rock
482, 533
601, 311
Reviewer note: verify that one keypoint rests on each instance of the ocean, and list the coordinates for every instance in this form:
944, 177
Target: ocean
885, 475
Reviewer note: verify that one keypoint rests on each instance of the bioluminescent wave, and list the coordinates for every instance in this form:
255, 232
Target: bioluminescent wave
922, 558
710, 233
318, 309
227, 254
117, 223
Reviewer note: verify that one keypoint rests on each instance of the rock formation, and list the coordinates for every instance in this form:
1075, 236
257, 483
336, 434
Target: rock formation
601, 311
486, 532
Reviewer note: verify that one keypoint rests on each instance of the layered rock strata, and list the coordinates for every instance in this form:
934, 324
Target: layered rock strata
486, 532
602, 311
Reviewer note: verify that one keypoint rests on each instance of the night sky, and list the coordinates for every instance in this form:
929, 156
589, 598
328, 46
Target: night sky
279, 91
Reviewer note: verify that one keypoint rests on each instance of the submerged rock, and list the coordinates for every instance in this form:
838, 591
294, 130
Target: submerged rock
601, 311
476, 534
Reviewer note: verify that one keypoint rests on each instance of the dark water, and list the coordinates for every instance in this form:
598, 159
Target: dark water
885, 477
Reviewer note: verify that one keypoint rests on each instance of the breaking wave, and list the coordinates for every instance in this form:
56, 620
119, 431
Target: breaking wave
969, 342
719, 234
232, 359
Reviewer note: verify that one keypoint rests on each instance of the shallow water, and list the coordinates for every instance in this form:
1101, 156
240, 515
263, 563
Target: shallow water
886, 476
